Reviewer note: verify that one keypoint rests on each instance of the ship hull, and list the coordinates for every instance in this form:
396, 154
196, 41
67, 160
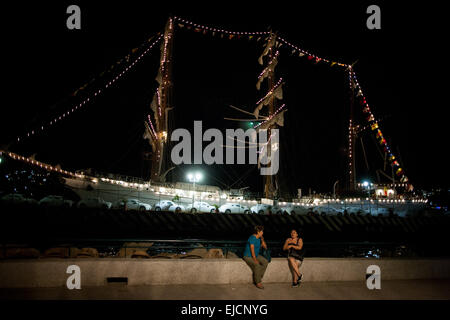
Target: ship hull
114, 192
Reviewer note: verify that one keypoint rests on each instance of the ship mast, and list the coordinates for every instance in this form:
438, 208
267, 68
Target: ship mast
270, 181
351, 137
161, 105
275, 117
269, 188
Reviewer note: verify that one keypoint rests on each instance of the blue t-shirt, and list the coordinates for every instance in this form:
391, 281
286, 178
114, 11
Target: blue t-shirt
254, 241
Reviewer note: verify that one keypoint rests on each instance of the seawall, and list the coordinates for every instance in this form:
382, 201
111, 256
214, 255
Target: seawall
95, 272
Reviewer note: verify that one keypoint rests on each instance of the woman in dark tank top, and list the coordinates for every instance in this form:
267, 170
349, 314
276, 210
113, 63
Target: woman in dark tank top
294, 243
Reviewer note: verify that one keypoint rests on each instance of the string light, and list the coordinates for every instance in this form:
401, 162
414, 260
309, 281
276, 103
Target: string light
350, 130
265, 144
219, 30
165, 59
39, 164
270, 91
273, 115
294, 47
151, 125
95, 93
269, 64
352, 75
159, 101
355, 83
166, 41
91, 178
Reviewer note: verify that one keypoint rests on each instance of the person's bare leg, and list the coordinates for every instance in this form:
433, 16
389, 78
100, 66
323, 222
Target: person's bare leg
291, 269
294, 267
298, 263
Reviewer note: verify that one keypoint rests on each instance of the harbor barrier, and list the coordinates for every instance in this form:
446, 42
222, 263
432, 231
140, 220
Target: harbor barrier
103, 272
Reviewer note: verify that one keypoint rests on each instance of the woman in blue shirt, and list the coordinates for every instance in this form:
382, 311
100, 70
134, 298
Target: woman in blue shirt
255, 261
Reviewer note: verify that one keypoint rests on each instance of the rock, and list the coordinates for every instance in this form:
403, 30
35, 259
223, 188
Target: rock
215, 254
201, 252
122, 253
232, 255
87, 253
167, 255
22, 253
206, 254
129, 248
140, 254
58, 252
73, 252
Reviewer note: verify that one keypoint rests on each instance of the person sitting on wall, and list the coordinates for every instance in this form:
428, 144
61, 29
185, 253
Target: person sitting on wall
255, 261
294, 246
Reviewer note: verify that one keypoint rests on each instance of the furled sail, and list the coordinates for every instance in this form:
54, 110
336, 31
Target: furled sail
154, 105
265, 73
160, 107
267, 47
159, 77
149, 135
277, 119
275, 93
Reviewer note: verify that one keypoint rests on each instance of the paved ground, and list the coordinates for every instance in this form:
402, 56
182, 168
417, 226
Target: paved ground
390, 290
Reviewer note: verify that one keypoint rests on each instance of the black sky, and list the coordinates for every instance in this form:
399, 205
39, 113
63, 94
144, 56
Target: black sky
398, 68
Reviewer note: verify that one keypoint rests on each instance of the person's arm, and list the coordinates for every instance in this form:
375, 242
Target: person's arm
252, 250
299, 246
287, 245
263, 243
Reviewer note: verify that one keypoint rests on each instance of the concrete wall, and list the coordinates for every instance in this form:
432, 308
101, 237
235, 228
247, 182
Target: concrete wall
52, 272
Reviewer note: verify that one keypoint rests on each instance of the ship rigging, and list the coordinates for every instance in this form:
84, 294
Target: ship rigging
268, 114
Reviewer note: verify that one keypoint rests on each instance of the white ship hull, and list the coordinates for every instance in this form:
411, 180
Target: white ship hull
183, 193
114, 192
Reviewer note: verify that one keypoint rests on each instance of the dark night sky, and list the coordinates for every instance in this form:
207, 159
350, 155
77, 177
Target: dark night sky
44, 63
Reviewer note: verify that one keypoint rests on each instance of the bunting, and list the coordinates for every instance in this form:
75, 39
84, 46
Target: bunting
375, 127
275, 40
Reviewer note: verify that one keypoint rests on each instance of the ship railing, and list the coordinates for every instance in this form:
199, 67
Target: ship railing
120, 177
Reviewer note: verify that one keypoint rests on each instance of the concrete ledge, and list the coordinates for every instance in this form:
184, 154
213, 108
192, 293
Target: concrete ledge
52, 272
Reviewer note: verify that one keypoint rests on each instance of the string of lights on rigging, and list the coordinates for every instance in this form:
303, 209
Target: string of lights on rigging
271, 117
151, 125
85, 101
282, 41
270, 91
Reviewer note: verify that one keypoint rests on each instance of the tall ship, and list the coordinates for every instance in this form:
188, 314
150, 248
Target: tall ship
392, 197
